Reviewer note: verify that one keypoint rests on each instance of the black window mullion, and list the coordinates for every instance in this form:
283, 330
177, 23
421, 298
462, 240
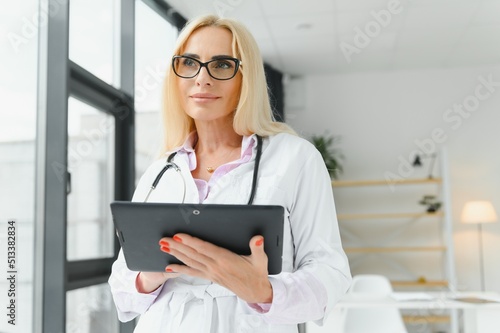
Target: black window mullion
124, 151
93, 91
85, 273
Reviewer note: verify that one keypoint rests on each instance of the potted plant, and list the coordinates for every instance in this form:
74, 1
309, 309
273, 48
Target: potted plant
431, 202
331, 155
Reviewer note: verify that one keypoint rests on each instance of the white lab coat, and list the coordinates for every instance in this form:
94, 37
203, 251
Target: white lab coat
315, 271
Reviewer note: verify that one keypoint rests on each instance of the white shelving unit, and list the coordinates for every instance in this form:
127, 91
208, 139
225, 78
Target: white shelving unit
388, 242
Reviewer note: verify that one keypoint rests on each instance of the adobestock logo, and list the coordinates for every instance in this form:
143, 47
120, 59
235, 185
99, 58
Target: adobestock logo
152, 80
224, 6
372, 29
29, 29
453, 118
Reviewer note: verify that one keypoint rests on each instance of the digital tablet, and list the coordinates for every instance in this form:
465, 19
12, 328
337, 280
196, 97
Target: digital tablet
140, 226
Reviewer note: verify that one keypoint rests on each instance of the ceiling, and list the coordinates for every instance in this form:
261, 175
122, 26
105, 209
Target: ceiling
338, 36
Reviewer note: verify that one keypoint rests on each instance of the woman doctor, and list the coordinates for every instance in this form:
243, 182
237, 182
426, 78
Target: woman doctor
216, 110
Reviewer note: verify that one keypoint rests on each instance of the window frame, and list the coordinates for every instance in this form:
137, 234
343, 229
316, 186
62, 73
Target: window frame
59, 78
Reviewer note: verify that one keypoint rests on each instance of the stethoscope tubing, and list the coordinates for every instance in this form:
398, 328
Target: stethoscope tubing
167, 166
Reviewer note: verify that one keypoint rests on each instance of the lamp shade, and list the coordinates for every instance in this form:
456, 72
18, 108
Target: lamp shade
479, 212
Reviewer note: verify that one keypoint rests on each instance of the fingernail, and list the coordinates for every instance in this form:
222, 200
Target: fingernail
165, 249
164, 243
168, 270
177, 239
259, 242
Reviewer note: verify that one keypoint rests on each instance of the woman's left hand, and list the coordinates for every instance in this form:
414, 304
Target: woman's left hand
246, 276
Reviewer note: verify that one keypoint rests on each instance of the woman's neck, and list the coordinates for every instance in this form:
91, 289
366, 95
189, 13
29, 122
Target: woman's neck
214, 138
215, 146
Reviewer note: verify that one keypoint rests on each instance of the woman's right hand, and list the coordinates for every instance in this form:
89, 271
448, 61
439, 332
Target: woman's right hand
148, 282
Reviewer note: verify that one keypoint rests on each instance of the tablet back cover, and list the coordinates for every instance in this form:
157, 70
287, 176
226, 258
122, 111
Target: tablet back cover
140, 226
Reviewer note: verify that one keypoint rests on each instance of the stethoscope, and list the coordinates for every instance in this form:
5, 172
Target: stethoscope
171, 165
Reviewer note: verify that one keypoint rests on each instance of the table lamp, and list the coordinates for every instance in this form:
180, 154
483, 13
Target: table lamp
479, 212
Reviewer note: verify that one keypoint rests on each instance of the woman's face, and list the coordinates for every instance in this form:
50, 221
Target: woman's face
204, 98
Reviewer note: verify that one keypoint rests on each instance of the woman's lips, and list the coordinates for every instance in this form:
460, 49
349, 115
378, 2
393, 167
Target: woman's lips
203, 97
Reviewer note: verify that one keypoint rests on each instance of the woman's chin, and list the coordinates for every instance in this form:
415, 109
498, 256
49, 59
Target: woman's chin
207, 114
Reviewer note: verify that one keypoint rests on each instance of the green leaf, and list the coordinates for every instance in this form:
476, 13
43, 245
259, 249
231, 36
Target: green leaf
331, 155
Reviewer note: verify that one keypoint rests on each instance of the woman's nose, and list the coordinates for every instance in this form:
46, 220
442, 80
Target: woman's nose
203, 78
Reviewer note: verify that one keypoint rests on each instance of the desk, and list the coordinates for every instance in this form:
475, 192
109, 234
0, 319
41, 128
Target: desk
477, 318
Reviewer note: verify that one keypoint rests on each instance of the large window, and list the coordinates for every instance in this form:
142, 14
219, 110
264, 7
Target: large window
91, 310
91, 166
67, 148
85, 159
99, 150
92, 37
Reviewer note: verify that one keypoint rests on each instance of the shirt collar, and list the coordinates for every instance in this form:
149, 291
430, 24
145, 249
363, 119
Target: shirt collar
247, 144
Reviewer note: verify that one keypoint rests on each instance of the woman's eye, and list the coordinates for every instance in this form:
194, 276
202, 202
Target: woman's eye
188, 62
223, 64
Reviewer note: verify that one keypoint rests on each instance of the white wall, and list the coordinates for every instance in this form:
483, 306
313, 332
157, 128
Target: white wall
381, 116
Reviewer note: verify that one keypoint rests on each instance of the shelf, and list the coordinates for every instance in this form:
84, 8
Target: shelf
436, 283
350, 183
426, 319
381, 237
394, 249
387, 216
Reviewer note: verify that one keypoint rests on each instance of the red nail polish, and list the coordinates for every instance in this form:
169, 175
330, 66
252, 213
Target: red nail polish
259, 242
177, 239
164, 243
165, 249
168, 270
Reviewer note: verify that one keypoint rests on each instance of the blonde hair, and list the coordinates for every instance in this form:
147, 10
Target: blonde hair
253, 113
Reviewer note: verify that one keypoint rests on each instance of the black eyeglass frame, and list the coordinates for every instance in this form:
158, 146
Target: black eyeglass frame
205, 64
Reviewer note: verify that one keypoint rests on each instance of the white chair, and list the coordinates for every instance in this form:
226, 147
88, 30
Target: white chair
372, 320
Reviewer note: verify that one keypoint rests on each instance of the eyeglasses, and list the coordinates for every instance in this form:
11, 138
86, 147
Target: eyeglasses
219, 69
